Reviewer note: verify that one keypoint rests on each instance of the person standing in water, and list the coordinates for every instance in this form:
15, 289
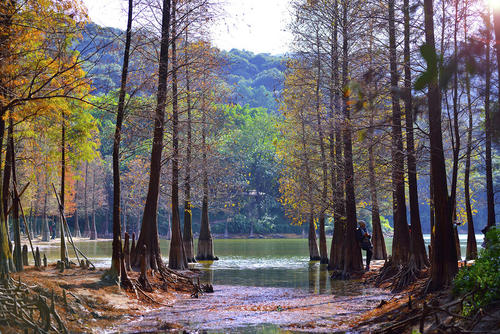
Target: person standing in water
364, 239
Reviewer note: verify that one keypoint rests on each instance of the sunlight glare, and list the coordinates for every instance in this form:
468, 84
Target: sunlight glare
494, 4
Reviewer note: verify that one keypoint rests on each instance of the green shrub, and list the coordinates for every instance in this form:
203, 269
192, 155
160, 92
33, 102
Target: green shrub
483, 276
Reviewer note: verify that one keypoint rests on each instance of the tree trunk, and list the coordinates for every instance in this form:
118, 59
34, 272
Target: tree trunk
45, 223
86, 230
16, 226
324, 192
353, 262
471, 252
188, 229
93, 229
417, 238
490, 195
401, 240
379, 249
444, 256
177, 256
117, 242
313, 245
149, 229
63, 188
337, 176
205, 242
76, 229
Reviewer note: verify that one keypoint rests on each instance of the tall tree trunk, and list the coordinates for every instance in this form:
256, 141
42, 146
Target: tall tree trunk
337, 176
86, 230
149, 228
16, 226
353, 262
471, 252
455, 130
444, 256
205, 242
313, 244
188, 229
93, 229
76, 229
177, 256
417, 238
117, 242
63, 187
45, 223
401, 240
490, 195
379, 249
324, 192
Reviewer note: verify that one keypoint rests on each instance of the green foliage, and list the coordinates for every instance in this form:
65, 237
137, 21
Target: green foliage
256, 78
483, 277
386, 226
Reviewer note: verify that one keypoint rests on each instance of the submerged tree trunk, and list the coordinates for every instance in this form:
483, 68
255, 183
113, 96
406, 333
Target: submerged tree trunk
188, 229
93, 229
45, 223
177, 257
205, 242
444, 256
401, 239
353, 262
313, 244
76, 228
324, 192
86, 230
149, 229
63, 188
417, 239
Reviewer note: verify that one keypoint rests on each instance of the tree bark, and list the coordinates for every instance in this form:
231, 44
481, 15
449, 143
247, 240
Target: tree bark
379, 249
177, 256
401, 239
188, 229
444, 257
490, 195
76, 229
63, 188
149, 229
93, 229
116, 245
324, 192
86, 230
16, 226
205, 242
337, 176
417, 238
471, 252
353, 262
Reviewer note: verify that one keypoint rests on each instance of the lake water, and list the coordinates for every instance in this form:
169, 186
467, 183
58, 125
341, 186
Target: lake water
280, 263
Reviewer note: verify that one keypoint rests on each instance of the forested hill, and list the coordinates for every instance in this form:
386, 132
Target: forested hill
256, 78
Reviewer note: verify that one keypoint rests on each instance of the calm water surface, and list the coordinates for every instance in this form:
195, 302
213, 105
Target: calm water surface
252, 262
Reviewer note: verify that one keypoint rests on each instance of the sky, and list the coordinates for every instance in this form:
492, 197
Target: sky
254, 25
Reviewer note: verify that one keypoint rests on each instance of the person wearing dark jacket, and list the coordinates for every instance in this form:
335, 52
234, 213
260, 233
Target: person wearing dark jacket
364, 239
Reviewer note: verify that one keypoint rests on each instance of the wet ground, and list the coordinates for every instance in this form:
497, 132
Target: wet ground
243, 309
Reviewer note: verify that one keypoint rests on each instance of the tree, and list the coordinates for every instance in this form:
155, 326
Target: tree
149, 229
177, 257
444, 257
117, 243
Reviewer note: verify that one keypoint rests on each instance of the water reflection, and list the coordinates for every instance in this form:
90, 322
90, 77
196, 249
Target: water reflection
254, 262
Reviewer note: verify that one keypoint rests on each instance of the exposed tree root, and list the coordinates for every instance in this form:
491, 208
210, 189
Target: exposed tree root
22, 307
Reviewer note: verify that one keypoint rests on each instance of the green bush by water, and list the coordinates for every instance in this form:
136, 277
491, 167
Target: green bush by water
483, 276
